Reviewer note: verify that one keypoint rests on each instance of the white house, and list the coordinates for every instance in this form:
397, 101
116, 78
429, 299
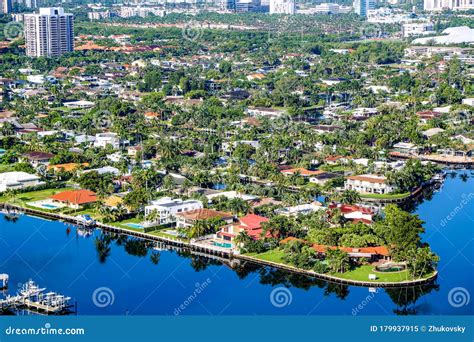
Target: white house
468, 101
301, 209
228, 145
104, 139
368, 184
18, 180
268, 112
81, 104
167, 208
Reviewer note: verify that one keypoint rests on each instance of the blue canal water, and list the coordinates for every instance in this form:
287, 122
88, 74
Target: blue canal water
119, 275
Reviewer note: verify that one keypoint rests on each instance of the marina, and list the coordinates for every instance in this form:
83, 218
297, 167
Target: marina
33, 298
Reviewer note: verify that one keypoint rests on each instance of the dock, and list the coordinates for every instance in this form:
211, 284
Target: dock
32, 298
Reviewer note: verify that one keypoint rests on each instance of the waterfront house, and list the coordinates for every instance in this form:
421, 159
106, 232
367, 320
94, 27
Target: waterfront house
368, 184
372, 254
166, 209
190, 218
251, 224
18, 180
75, 198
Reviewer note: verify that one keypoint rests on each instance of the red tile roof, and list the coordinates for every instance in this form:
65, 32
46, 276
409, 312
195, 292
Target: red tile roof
252, 221
75, 197
302, 171
377, 250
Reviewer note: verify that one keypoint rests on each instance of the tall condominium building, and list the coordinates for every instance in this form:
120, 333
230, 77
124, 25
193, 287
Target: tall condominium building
439, 5
227, 5
362, 7
282, 6
49, 32
6, 6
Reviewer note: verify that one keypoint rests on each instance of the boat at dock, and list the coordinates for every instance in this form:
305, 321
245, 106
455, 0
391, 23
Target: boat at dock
85, 220
32, 298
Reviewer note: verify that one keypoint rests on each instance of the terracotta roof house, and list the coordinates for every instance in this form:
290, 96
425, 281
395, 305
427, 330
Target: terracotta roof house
75, 198
251, 223
68, 167
189, 218
372, 253
302, 172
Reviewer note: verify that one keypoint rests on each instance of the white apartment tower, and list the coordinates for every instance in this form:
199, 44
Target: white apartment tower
49, 32
456, 5
6, 6
282, 7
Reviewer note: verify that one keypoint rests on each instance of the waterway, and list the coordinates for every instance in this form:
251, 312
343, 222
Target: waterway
112, 275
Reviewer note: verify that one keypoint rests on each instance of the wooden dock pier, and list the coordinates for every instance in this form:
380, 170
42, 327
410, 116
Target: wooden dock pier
32, 298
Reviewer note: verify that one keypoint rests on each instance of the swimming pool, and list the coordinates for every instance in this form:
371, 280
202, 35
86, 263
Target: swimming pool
134, 225
221, 244
49, 206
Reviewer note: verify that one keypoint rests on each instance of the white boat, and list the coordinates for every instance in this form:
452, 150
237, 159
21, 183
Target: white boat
85, 220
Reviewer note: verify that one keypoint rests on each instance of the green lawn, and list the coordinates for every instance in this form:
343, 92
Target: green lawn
362, 273
385, 196
33, 195
274, 255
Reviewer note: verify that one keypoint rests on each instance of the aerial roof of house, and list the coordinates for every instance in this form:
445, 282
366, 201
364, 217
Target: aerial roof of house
38, 155
203, 214
75, 196
252, 221
368, 178
302, 171
68, 167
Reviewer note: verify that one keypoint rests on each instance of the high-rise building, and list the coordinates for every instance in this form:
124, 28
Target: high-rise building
49, 32
439, 5
282, 6
6, 6
362, 7
227, 5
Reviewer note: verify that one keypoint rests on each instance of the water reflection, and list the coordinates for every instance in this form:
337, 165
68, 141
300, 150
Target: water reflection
404, 299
